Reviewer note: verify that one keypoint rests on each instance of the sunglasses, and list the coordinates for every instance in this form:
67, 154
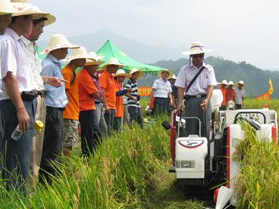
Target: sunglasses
198, 55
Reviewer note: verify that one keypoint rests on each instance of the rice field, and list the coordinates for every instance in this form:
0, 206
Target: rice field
130, 170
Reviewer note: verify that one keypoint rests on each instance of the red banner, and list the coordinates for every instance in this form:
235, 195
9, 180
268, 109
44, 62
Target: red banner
265, 96
144, 90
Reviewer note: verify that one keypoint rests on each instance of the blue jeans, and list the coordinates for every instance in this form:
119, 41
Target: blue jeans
109, 117
16, 154
99, 119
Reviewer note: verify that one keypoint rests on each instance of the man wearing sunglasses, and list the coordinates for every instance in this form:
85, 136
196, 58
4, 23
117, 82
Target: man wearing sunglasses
195, 83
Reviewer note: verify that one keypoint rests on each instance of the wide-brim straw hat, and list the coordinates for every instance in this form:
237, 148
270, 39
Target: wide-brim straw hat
50, 18
79, 53
23, 9
165, 70
6, 7
241, 83
230, 83
94, 59
122, 72
58, 41
137, 70
113, 61
225, 82
197, 48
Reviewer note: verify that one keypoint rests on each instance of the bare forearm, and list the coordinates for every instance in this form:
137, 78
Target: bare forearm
209, 92
180, 94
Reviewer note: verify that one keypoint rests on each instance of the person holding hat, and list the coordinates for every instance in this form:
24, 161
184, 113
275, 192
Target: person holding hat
197, 93
71, 114
174, 91
17, 100
100, 117
119, 77
230, 92
133, 105
239, 95
162, 92
223, 88
109, 90
56, 101
88, 92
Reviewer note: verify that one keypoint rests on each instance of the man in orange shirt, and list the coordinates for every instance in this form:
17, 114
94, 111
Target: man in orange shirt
87, 92
109, 91
230, 93
118, 117
223, 88
71, 113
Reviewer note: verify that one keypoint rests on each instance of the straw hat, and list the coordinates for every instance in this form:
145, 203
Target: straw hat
196, 48
165, 70
230, 83
122, 72
224, 82
79, 53
173, 77
24, 9
6, 7
113, 61
137, 70
58, 41
94, 59
50, 18
241, 83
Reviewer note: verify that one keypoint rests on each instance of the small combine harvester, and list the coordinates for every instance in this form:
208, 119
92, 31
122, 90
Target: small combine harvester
189, 153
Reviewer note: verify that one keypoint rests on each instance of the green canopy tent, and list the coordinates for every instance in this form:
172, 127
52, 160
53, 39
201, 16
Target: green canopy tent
109, 50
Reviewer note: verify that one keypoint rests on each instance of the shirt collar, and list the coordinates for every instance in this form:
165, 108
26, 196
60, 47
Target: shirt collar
192, 66
165, 81
12, 33
26, 41
50, 56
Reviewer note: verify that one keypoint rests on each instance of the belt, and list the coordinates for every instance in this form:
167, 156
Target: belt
56, 108
98, 102
41, 93
186, 97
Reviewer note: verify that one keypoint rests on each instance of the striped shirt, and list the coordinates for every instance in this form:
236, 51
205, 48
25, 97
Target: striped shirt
162, 88
134, 86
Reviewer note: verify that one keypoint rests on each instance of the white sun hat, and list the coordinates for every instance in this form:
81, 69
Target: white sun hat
165, 70
241, 83
137, 70
79, 53
173, 77
6, 7
225, 82
59, 41
18, 4
113, 61
121, 72
94, 59
197, 47
230, 83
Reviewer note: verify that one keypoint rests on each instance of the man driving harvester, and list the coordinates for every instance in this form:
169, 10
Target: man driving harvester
195, 83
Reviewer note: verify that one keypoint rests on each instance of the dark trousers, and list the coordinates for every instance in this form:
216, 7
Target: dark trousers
161, 105
238, 106
16, 154
90, 133
53, 142
118, 124
109, 118
135, 115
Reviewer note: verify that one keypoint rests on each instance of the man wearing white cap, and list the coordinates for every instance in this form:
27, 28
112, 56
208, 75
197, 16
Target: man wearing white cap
239, 95
197, 91
71, 113
174, 91
162, 92
230, 92
223, 88
18, 101
56, 101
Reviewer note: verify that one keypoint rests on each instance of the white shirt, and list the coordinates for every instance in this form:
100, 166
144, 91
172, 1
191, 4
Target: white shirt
162, 88
205, 79
239, 94
35, 63
14, 60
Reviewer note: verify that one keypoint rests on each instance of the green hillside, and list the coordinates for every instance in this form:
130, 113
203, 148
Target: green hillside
256, 80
